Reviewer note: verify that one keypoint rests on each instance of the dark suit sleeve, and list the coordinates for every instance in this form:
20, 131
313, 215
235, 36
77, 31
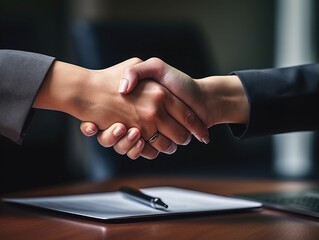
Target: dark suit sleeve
281, 100
21, 75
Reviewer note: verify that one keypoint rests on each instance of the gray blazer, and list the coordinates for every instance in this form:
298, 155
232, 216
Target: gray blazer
281, 100
21, 75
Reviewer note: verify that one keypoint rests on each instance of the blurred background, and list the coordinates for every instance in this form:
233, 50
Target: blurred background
201, 38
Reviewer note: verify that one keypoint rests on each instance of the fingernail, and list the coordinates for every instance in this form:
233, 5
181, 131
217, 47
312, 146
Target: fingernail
205, 140
90, 130
188, 140
139, 144
132, 135
123, 85
118, 131
172, 148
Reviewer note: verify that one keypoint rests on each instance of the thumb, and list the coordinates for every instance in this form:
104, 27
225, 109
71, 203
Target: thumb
153, 68
129, 81
88, 129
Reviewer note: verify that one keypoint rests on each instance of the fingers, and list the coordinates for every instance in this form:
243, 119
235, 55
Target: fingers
187, 118
133, 145
132, 139
179, 83
88, 129
129, 141
175, 120
169, 126
136, 150
111, 135
149, 152
124, 141
152, 68
162, 143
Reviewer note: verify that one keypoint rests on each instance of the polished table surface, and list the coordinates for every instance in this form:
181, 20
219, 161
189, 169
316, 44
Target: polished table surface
27, 223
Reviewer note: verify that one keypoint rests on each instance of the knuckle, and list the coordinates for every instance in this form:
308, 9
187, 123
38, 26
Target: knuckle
135, 60
151, 115
190, 118
156, 61
159, 93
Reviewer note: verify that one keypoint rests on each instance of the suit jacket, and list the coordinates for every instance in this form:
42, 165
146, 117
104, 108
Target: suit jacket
21, 75
281, 100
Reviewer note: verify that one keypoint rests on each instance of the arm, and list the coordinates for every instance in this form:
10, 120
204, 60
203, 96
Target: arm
281, 100
151, 108
265, 101
258, 102
215, 99
21, 75
91, 95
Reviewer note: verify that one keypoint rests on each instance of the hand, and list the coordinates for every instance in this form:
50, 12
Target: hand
147, 69
123, 141
91, 96
147, 152
179, 83
215, 99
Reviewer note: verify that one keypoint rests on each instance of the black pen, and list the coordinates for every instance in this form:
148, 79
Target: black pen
137, 195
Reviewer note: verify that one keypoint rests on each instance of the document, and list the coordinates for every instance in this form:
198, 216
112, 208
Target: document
115, 206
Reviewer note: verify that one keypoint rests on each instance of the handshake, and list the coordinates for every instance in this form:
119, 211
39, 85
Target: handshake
143, 108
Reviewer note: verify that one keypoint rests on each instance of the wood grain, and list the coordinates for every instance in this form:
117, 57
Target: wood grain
18, 222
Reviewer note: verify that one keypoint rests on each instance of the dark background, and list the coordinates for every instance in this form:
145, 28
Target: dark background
198, 37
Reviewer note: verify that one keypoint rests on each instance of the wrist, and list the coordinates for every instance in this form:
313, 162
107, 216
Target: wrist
63, 88
226, 100
240, 108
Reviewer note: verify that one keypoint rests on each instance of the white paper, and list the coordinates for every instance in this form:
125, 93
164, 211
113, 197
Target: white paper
114, 205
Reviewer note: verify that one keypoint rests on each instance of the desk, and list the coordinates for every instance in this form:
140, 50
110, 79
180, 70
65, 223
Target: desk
24, 223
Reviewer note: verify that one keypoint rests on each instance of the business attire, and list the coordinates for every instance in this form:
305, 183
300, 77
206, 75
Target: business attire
281, 100
21, 75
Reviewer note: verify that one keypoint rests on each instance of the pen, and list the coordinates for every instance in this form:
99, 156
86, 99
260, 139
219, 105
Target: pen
137, 195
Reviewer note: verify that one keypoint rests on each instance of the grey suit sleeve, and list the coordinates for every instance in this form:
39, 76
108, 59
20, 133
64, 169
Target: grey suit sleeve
281, 100
21, 75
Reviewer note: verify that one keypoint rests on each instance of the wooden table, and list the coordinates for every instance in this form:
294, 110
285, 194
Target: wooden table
26, 223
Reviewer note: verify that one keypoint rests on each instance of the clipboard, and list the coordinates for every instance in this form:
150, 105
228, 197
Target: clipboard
113, 206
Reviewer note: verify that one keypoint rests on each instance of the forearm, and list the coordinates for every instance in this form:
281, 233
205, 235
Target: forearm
224, 99
282, 99
64, 89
